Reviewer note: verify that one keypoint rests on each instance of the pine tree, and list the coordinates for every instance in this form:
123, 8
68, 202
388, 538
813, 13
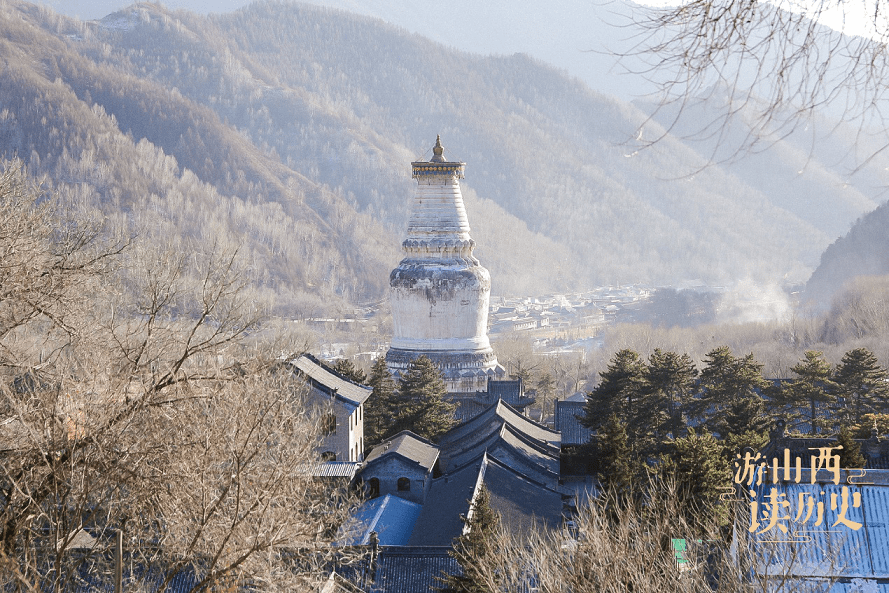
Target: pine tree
813, 386
863, 383
671, 380
347, 369
700, 470
730, 402
473, 548
620, 391
420, 405
616, 468
850, 454
380, 406
871, 423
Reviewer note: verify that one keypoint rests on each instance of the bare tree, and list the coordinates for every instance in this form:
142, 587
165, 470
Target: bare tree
770, 65
135, 398
614, 544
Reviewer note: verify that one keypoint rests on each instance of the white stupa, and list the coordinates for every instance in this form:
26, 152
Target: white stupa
439, 291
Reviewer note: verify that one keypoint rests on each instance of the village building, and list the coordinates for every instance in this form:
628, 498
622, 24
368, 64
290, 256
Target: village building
439, 291
402, 466
342, 404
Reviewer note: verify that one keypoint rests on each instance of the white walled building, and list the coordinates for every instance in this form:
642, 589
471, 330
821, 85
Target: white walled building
342, 401
439, 291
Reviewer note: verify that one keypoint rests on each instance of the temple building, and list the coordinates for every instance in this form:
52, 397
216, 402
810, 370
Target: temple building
439, 291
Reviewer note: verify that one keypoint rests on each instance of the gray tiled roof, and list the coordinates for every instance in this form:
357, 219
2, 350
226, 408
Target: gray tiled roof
330, 381
468, 408
826, 550
409, 446
448, 499
509, 390
392, 519
492, 419
412, 569
521, 502
537, 460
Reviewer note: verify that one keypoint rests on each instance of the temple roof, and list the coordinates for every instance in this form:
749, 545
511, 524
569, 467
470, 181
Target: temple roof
567, 417
829, 549
392, 519
491, 420
411, 569
408, 446
535, 459
447, 501
519, 500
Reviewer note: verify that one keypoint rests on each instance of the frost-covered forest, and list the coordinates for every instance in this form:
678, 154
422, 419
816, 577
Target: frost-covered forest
288, 130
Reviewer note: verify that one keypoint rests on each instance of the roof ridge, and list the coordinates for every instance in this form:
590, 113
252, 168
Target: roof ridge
519, 474
525, 418
409, 432
479, 482
542, 446
333, 372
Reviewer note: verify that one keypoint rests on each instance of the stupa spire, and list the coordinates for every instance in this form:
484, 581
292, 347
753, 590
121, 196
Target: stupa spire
437, 151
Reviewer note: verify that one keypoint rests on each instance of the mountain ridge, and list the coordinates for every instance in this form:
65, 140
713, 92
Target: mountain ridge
290, 129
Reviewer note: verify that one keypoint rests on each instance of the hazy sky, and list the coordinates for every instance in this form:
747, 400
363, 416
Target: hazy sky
856, 22
96, 9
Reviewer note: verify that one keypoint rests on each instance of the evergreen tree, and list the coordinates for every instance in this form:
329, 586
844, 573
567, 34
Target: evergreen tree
347, 369
850, 454
813, 388
700, 469
616, 467
730, 402
863, 383
621, 392
671, 381
473, 549
420, 405
380, 406
871, 423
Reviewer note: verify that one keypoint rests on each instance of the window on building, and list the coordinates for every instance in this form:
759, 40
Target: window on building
404, 485
373, 488
328, 456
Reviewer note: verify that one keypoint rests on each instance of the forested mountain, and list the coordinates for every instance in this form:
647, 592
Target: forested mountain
289, 129
863, 251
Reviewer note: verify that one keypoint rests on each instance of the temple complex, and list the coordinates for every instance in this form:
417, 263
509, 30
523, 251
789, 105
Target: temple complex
439, 291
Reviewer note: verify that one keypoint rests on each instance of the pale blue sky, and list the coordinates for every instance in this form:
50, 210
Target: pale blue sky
96, 9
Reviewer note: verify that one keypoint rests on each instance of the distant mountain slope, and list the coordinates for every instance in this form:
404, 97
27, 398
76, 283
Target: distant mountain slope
289, 129
863, 251
579, 36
